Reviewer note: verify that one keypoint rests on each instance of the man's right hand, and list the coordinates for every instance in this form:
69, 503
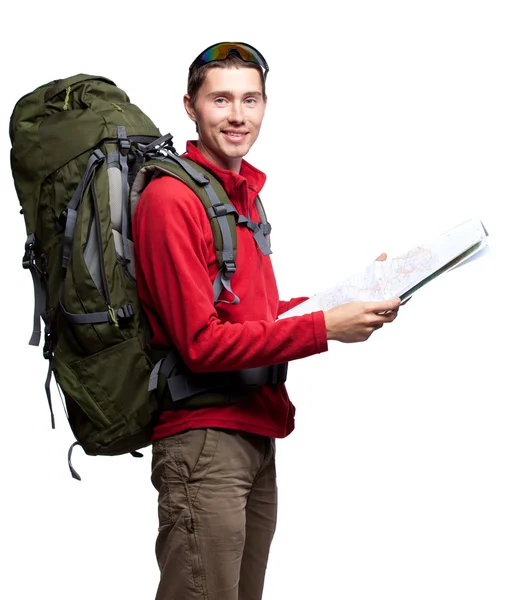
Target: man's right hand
356, 321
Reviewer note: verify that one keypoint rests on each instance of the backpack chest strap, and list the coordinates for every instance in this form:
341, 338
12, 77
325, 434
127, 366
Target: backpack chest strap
259, 230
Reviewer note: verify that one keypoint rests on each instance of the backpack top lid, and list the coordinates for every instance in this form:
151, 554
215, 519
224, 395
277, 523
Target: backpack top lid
60, 120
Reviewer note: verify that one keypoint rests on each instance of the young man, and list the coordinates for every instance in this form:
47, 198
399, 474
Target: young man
214, 468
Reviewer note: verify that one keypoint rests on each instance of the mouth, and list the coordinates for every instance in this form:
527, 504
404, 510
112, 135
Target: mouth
235, 136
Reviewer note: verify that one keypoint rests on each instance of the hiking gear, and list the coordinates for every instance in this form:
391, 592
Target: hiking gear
222, 50
179, 309
184, 387
77, 146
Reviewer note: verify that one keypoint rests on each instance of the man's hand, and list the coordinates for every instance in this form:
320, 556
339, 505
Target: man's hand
356, 321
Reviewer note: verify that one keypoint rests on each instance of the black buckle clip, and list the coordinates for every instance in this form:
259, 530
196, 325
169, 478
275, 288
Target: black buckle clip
60, 223
28, 260
124, 313
124, 146
47, 349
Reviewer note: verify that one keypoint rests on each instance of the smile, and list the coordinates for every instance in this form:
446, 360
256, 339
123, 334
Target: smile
234, 135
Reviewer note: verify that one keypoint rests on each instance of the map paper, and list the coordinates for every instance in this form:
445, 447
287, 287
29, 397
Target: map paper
405, 274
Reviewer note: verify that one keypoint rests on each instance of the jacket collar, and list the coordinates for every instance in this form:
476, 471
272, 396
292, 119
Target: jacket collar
242, 187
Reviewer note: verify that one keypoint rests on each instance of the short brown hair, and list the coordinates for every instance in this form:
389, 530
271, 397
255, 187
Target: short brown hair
197, 76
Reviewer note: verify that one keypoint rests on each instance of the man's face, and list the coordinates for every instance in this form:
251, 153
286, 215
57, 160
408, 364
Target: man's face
229, 109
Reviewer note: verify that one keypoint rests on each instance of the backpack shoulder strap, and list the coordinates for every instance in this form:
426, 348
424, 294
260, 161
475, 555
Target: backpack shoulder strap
264, 225
222, 214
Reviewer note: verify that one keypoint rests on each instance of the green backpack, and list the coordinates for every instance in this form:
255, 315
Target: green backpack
81, 156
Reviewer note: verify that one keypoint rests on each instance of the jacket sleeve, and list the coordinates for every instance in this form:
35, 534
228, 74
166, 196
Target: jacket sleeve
171, 231
286, 305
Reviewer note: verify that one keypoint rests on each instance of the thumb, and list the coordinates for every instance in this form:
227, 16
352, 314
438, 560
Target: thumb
383, 256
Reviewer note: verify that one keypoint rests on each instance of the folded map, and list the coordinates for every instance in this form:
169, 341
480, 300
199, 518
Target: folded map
403, 275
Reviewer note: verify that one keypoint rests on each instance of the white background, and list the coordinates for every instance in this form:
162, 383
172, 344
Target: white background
387, 123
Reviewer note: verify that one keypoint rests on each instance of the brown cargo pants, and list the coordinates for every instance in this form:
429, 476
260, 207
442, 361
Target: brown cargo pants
217, 508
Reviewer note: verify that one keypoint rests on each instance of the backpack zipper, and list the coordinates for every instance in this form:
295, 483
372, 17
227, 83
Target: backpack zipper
68, 90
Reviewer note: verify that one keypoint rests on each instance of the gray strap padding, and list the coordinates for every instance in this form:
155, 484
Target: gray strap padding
225, 274
113, 159
222, 280
124, 143
96, 158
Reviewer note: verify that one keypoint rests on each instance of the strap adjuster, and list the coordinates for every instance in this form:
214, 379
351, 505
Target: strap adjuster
221, 210
124, 312
229, 267
28, 260
124, 146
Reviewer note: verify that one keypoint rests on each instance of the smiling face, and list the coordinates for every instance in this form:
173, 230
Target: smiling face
228, 109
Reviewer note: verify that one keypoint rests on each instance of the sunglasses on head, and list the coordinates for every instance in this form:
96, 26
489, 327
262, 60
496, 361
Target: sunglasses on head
224, 49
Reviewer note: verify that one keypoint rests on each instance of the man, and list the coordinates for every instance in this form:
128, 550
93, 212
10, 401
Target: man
214, 467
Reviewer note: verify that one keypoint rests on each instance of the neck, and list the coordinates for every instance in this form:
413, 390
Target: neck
233, 164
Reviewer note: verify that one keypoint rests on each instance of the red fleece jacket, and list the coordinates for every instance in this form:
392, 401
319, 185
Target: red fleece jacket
176, 267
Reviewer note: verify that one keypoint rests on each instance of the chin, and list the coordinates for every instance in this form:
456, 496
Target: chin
237, 152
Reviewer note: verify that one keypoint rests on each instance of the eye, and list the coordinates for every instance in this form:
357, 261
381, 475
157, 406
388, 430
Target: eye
220, 101
251, 101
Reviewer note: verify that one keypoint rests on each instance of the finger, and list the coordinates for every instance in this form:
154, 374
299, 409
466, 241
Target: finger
383, 256
383, 305
386, 317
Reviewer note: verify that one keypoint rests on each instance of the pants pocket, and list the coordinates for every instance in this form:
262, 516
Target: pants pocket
179, 464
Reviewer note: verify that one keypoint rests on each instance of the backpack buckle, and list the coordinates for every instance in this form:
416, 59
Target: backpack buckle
229, 267
124, 146
28, 260
124, 313
220, 210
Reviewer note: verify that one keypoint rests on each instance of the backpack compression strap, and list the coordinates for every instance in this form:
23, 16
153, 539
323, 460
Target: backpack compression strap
39, 287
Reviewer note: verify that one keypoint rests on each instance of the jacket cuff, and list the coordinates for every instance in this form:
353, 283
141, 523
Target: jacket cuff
320, 332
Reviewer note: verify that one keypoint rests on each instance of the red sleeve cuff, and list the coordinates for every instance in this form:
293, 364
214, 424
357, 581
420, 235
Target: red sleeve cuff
320, 331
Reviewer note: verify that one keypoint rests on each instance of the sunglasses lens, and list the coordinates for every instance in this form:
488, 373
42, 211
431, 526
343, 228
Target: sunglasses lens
221, 52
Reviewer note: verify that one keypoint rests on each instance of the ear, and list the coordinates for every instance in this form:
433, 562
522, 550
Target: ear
189, 108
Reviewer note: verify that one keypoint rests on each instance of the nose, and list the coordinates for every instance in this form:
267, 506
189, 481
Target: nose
236, 114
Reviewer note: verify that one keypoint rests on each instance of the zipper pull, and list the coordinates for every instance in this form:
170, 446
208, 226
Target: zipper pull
112, 317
